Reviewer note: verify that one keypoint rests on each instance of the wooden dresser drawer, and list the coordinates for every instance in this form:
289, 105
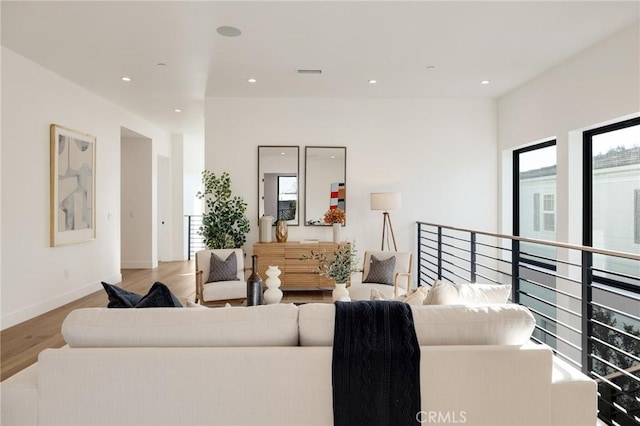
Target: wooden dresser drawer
296, 272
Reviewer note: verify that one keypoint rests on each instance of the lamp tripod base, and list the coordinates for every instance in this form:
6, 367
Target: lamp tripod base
387, 229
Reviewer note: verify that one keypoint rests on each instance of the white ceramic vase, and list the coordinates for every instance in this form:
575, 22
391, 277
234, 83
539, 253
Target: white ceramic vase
340, 293
273, 294
337, 232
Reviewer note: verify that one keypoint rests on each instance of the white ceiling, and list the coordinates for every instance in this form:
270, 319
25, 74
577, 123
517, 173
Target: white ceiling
95, 43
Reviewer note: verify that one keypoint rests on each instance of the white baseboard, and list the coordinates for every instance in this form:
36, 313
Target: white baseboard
142, 264
32, 311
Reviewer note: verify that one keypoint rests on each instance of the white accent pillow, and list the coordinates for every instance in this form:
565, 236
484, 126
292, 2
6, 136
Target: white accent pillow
415, 297
444, 293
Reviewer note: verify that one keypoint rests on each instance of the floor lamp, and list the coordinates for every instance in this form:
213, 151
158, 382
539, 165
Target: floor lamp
386, 201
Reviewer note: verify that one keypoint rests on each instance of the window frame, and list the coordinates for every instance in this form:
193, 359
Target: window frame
516, 198
587, 194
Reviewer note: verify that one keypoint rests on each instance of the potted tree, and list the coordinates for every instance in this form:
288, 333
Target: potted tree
224, 225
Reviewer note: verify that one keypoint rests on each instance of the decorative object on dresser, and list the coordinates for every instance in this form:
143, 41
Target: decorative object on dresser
273, 294
225, 282
224, 225
337, 267
297, 274
336, 218
282, 231
266, 225
386, 201
254, 284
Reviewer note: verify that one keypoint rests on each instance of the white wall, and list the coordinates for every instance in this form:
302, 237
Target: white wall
441, 154
193, 161
1, 193
178, 235
190, 181
596, 87
136, 204
33, 279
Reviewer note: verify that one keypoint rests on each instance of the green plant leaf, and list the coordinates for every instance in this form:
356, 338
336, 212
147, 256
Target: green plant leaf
224, 225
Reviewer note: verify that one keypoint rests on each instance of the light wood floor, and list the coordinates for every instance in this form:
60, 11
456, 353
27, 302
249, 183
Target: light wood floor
21, 344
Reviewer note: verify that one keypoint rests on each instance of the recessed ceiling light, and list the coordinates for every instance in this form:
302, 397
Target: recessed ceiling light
485, 82
282, 153
177, 110
373, 81
228, 31
251, 80
126, 78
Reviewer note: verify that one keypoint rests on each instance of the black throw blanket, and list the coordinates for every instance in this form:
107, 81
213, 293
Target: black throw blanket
376, 365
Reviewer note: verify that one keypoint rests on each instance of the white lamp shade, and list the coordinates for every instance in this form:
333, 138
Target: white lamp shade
386, 200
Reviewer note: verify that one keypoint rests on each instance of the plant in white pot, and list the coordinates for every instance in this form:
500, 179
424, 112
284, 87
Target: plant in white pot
338, 267
224, 225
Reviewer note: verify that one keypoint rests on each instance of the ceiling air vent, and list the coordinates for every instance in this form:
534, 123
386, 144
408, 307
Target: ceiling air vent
309, 71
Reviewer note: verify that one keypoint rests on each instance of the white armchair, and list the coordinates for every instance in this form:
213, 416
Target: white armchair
212, 291
401, 277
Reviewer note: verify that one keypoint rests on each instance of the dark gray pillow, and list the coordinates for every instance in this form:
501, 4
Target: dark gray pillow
119, 297
158, 296
381, 271
223, 270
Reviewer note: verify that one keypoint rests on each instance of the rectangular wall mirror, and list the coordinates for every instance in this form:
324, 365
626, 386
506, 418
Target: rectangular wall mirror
278, 178
325, 182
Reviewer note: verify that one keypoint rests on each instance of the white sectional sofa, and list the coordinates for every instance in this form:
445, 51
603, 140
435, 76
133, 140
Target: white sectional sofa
271, 365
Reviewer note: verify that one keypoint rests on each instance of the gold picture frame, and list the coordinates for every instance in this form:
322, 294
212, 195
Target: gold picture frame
73, 183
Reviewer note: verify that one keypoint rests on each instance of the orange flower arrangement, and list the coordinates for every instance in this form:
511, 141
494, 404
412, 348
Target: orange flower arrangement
335, 216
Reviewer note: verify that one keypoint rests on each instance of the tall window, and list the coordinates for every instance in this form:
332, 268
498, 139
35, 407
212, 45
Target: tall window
535, 199
612, 184
611, 220
534, 216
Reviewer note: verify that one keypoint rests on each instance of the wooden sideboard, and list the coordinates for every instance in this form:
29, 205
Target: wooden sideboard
296, 272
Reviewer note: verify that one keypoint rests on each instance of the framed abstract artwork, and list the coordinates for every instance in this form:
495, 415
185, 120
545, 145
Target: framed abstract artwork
73, 202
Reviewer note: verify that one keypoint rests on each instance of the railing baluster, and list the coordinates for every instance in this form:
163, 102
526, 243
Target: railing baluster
439, 252
587, 311
419, 260
189, 237
515, 271
473, 257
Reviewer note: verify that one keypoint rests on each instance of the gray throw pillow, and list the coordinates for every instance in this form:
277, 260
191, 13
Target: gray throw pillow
381, 271
223, 270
